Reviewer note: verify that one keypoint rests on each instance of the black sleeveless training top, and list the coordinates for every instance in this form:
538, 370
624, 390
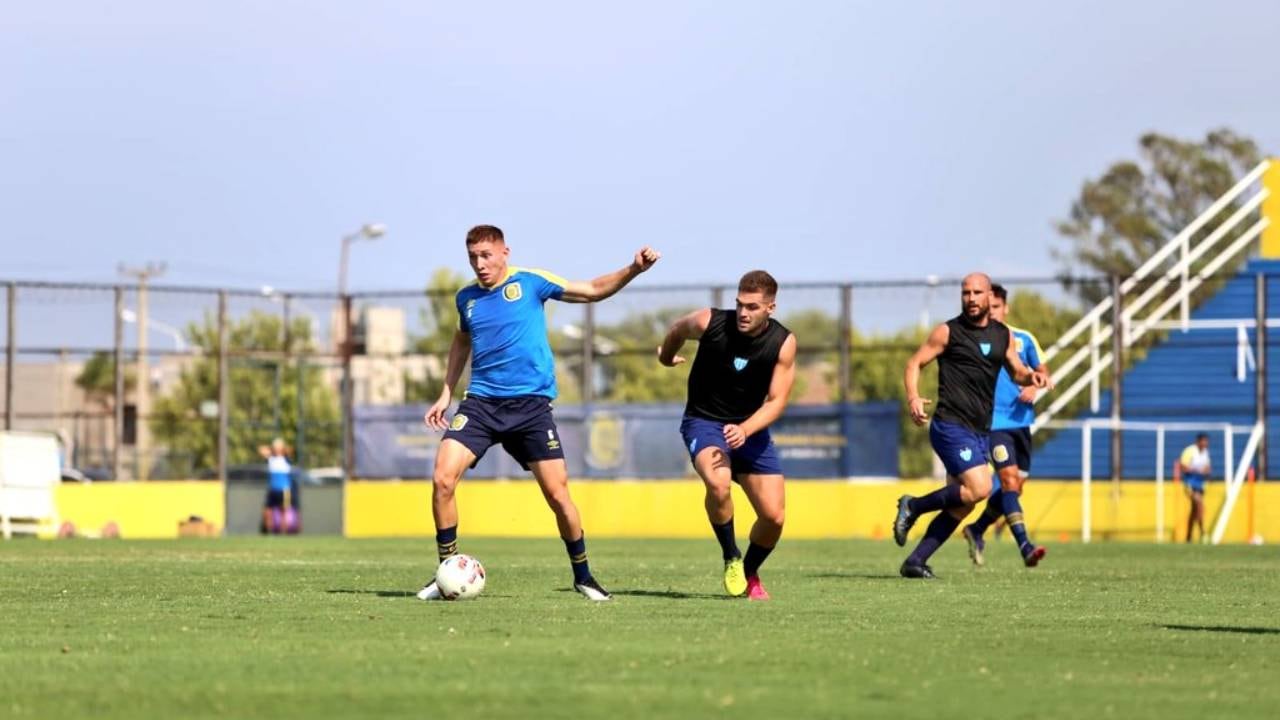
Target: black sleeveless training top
732, 371
967, 372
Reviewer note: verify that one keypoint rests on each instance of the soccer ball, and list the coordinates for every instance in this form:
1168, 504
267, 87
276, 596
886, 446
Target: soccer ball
460, 577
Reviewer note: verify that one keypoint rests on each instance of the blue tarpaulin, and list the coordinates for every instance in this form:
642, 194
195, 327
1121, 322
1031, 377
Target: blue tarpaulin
642, 441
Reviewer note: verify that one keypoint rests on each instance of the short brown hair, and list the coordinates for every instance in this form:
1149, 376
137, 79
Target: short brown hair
484, 233
759, 281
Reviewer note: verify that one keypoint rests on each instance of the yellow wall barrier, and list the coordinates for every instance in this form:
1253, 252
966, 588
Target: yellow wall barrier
816, 509
141, 509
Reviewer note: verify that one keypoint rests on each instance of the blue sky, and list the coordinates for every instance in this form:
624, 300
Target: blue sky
822, 140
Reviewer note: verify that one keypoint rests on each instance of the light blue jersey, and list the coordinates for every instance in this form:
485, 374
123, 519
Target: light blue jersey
280, 472
1009, 412
510, 353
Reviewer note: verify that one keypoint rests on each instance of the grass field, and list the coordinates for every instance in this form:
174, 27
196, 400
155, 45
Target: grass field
328, 628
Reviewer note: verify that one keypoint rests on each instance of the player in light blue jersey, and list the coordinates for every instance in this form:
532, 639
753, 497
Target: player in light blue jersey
1010, 442
502, 328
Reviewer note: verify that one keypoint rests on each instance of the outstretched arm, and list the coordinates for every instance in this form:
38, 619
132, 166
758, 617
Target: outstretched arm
925, 354
784, 375
606, 285
689, 327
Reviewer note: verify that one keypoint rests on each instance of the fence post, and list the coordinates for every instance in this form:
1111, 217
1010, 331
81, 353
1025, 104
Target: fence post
117, 393
717, 297
224, 386
1117, 375
348, 394
588, 353
846, 341
1260, 369
10, 353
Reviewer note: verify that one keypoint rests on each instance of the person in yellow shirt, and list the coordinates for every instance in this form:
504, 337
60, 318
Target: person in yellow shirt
1193, 469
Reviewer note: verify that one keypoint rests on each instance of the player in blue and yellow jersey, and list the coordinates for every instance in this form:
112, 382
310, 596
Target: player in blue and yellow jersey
1192, 469
502, 328
1010, 441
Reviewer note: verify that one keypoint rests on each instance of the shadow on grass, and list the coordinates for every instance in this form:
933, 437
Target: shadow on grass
379, 593
398, 593
665, 594
1224, 629
855, 576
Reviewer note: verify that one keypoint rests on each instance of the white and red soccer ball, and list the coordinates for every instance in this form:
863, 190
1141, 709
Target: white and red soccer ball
460, 577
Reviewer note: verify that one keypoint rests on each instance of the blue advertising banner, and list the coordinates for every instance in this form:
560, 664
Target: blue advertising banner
642, 441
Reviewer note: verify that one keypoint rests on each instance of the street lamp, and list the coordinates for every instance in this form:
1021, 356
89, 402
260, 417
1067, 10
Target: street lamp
179, 344
931, 284
369, 231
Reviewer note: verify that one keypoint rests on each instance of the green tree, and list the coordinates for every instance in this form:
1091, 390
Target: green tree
439, 319
876, 367
263, 394
98, 380
1123, 217
632, 372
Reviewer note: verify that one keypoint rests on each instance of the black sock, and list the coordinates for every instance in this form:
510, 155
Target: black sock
577, 550
993, 511
756, 555
939, 530
943, 498
728, 543
447, 542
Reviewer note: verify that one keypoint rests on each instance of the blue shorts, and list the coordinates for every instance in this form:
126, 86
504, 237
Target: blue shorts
959, 447
1011, 446
1194, 482
522, 425
757, 456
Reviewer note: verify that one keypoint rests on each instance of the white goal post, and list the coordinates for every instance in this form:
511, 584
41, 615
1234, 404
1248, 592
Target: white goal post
1236, 468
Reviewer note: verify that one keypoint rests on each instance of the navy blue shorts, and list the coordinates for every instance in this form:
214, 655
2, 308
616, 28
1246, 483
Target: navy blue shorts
959, 447
1011, 446
1194, 482
522, 425
275, 498
757, 456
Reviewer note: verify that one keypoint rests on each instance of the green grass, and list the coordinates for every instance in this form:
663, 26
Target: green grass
321, 628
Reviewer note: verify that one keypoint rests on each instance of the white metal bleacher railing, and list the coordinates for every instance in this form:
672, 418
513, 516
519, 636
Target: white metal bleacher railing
1084, 368
1235, 469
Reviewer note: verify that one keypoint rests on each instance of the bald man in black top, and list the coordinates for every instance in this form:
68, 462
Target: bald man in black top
970, 350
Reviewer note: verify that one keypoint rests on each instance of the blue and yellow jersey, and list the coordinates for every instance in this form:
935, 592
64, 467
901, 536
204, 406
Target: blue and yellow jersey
510, 353
1009, 412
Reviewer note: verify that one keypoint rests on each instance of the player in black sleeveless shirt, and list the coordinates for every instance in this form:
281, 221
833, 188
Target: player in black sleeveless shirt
738, 386
970, 349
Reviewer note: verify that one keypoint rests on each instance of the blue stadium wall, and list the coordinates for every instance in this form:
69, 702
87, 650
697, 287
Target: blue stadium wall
1189, 377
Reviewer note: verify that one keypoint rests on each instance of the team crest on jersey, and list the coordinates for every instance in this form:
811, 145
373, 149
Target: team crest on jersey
1000, 453
459, 422
512, 292
1017, 344
966, 454
985, 348
739, 363
471, 305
